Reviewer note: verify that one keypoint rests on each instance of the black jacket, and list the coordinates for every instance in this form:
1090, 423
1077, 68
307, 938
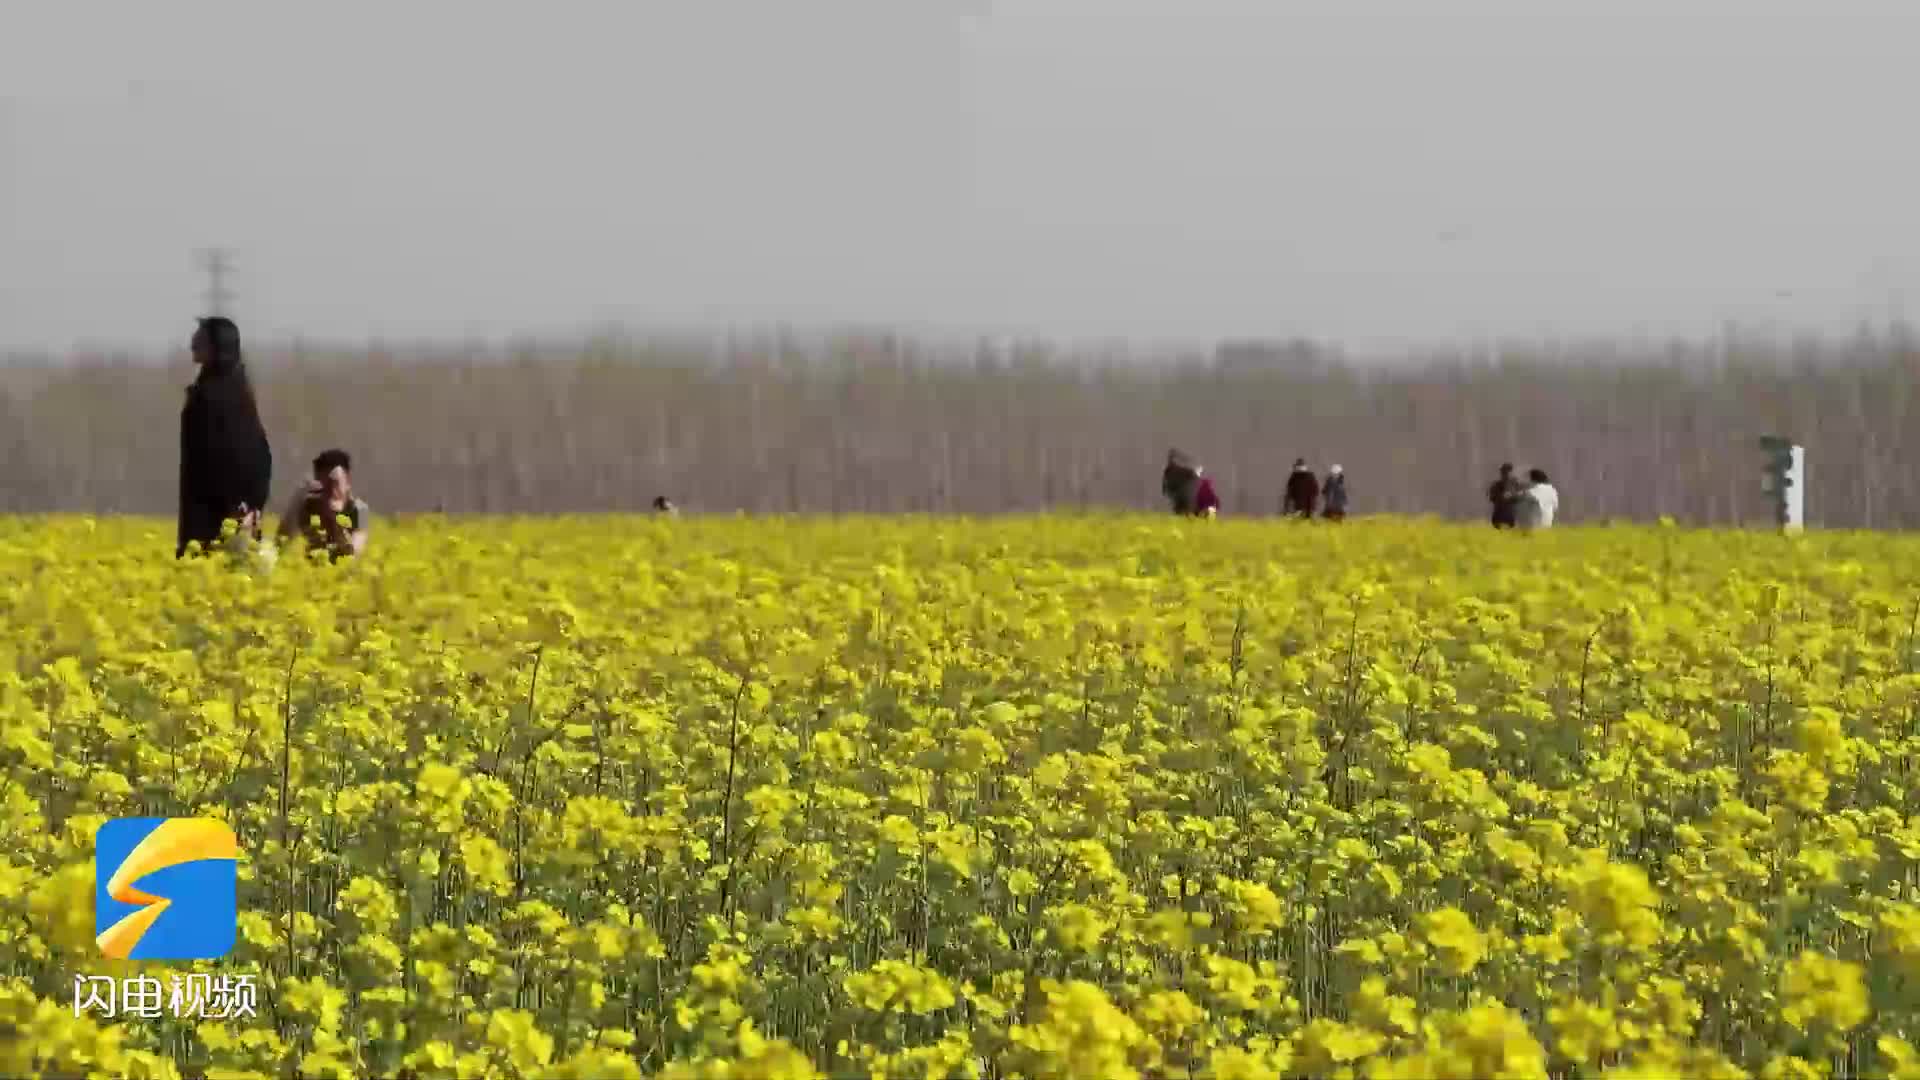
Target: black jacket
1179, 483
1504, 494
225, 459
1303, 489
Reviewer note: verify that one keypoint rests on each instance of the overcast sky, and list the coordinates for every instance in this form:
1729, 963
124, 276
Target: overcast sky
1355, 170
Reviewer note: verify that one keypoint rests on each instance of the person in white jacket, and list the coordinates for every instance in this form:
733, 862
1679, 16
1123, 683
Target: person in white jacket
1539, 502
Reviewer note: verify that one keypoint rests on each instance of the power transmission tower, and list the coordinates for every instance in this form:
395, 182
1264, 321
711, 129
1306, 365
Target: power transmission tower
217, 263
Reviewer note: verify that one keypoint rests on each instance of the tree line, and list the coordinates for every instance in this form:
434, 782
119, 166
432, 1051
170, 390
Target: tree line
883, 423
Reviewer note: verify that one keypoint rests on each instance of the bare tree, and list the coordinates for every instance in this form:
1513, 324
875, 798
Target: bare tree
873, 422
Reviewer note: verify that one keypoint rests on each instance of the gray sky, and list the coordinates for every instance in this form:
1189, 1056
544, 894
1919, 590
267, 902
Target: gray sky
1358, 170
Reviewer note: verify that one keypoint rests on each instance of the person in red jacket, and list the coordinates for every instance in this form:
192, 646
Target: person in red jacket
1205, 502
1303, 491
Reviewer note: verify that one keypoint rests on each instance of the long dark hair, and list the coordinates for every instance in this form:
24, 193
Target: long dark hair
225, 371
223, 379
223, 341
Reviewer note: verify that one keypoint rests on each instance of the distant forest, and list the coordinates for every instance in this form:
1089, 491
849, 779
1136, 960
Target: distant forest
779, 423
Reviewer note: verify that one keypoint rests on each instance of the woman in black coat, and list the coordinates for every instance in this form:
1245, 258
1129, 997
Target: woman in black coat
1179, 482
226, 465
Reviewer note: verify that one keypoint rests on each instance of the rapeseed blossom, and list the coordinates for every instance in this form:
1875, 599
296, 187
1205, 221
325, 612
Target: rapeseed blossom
1075, 796
1822, 990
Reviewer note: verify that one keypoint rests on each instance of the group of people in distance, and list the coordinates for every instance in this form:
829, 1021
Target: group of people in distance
1531, 505
1305, 491
1189, 490
226, 464
226, 471
1516, 505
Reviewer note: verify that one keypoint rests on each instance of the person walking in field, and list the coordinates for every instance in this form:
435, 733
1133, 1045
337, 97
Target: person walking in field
326, 513
226, 462
1179, 483
1333, 495
1538, 503
1504, 494
1206, 503
1303, 491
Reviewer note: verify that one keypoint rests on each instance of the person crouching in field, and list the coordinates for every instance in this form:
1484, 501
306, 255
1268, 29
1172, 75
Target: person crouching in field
1539, 502
1333, 495
1206, 503
1179, 482
1303, 490
326, 513
226, 463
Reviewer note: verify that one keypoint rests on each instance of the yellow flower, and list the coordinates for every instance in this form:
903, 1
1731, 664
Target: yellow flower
893, 986
1327, 1045
1484, 1041
1173, 929
1789, 1067
899, 832
1375, 1008
771, 1059
724, 971
1169, 1014
1663, 1061
1798, 782
1256, 910
513, 1033
1900, 934
1615, 899
1234, 1063
1022, 882
1821, 990
594, 1063
1078, 927
486, 864
1452, 935
592, 797
1584, 1032
314, 1000
1902, 1061
1081, 1033
1236, 985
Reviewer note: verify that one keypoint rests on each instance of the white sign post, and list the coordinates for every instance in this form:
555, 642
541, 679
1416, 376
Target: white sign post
1785, 479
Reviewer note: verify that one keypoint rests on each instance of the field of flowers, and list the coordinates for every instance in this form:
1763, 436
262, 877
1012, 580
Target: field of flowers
1069, 796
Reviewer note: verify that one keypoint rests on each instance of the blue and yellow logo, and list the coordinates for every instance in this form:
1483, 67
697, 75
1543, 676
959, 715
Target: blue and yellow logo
163, 888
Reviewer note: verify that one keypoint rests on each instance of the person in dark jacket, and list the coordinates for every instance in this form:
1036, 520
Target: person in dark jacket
1303, 490
1504, 493
1333, 495
226, 464
1179, 482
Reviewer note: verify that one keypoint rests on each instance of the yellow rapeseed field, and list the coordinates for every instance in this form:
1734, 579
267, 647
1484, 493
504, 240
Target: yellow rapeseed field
1073, 796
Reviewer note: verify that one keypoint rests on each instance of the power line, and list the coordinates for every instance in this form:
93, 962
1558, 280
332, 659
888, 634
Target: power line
218, 264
